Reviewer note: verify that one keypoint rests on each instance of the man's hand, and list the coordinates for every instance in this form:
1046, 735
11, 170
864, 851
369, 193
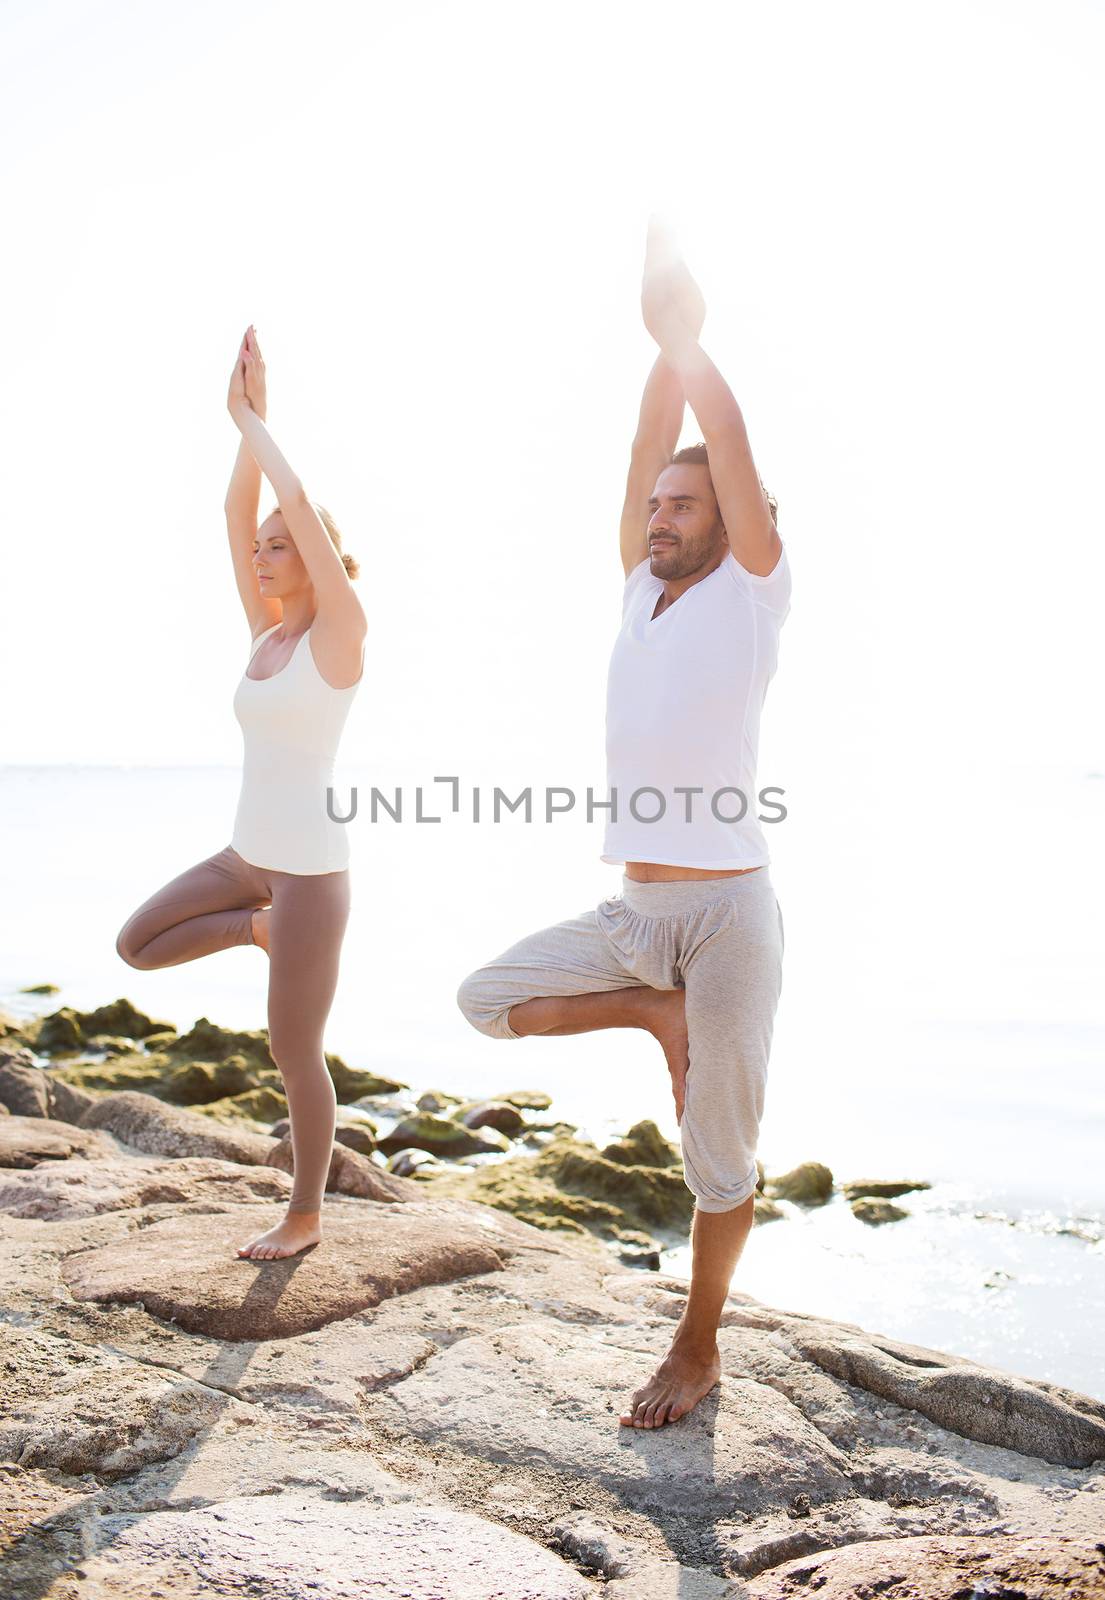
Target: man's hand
667, 287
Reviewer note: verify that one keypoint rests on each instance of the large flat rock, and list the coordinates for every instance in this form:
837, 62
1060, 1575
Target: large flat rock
293, 1545
539, 1395
185, 1269
83, 1188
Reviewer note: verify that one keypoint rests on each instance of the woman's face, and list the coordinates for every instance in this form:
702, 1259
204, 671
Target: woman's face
276, 561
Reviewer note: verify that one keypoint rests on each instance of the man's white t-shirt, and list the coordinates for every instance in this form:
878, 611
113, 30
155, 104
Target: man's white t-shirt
683, 702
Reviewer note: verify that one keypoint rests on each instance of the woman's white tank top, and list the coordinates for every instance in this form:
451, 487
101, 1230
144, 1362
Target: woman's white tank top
291, 726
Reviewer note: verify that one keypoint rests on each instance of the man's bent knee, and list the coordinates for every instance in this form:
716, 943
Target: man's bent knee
485, 1010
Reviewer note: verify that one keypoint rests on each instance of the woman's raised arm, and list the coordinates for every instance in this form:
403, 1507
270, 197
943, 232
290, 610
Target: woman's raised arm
325, 567
243, 497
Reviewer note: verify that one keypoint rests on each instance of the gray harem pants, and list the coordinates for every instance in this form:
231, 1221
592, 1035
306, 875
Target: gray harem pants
719, 938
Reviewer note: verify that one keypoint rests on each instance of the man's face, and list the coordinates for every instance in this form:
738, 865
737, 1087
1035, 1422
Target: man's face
685, 531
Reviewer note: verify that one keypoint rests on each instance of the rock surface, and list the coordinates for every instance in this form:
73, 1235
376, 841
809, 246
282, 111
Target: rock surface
425, 1405
81, 1410
83, 1188
350, 1173
184, 1269
286, 1548
1038, 1568
163, 1130
870, 1209
28, 1091
26, 1141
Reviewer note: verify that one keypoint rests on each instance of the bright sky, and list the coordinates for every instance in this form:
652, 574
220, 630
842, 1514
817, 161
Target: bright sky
435, 216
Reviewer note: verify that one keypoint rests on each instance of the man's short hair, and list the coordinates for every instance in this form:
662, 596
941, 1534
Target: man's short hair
695, 455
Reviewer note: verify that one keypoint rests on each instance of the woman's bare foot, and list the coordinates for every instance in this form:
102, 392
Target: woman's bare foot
678, 1384
665, 1017
259, 927
298, 1230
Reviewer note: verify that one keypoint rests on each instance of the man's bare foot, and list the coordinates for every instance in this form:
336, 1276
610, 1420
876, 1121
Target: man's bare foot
298, 1230
665, 1017
676, 1387
259, 927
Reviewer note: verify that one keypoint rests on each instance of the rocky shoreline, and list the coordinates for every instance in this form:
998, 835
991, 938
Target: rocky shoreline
426, 1404
502, 1152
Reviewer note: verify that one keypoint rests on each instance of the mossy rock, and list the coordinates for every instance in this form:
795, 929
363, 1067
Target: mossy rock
11, 1027
110, 1045
573, 1182
538, 1135
149, 1074
441, 1137
649, 1196
207, 1041
261, 1105
870, 1209
497, 1114
530, 1196
412, 1163
643, 1146
182, 1083
40, 988
68, 1030
59, 1033
438, 1101
199, 1083
811, 1183
121, 1017
160, 1040
634, 1238
527, 1099
352, 1083
765, 1210
882, 1188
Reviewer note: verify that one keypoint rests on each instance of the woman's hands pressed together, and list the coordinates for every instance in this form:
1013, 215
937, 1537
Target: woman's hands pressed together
248, 389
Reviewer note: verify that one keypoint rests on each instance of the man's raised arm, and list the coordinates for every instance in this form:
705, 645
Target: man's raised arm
658, 429
659, 424
749, 525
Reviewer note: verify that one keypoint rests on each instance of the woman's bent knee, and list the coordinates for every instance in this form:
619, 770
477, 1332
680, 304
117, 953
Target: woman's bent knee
127, 949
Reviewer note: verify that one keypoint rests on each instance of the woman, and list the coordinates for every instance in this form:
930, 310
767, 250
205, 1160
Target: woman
283, 881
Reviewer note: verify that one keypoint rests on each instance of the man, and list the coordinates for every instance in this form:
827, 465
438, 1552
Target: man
691, 950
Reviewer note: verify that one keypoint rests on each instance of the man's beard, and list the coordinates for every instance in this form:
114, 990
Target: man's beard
675, 561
